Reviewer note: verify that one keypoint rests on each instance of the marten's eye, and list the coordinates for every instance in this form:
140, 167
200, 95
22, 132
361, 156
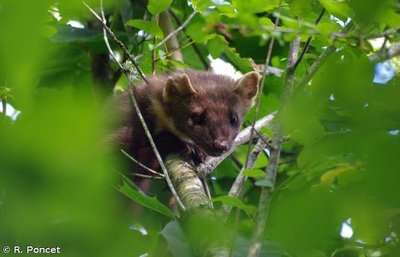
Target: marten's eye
197, 119
233, 120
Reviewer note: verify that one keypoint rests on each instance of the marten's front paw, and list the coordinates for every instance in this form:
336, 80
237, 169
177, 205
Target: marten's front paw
198, 155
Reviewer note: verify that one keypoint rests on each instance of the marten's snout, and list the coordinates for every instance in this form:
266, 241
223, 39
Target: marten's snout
221, 145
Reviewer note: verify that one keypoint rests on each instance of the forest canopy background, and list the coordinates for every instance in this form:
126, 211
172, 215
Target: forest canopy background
338, 168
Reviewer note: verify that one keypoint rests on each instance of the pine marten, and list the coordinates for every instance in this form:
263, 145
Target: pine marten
194, 113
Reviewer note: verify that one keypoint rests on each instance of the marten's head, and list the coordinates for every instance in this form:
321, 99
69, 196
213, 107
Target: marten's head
206, 109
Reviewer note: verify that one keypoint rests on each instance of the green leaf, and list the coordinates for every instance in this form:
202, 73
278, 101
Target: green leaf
266, 22
254, 173
248, 209
176, 239
227, 10
300, 7
144, 200
326, 28
5, 92
339, 9
68, 34
242, 64
392, 18
264, 183
195, 31
261, 162
201, 5
344, 172
254, 6
216, 46
297, 183
157, 6
149, 27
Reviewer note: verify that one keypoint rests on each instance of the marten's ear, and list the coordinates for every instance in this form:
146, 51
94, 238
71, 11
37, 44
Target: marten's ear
179, 85
247, 86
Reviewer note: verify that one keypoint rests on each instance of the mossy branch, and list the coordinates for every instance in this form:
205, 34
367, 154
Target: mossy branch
199, 215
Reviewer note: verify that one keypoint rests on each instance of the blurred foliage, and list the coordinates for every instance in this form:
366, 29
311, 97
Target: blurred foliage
339, 165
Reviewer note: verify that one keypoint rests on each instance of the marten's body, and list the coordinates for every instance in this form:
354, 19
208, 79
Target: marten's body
193, 113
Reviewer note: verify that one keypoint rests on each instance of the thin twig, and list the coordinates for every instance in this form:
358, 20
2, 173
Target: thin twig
156, 153
307, 44
104, 21
313, 32
172, 33
153, 58
259, 97
146, 176
141, 164
167, 27
319, 62
4, 107
385, 54
194, 45
177, 30
120, 44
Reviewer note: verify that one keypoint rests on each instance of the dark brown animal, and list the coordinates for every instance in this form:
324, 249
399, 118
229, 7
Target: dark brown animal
194, 113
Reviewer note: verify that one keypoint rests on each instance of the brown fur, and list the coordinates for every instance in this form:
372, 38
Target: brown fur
188, 113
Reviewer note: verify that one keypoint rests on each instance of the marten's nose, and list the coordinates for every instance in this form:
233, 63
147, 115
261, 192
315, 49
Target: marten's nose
221, 144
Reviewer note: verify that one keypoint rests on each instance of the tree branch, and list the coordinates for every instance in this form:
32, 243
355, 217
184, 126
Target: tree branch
272, 168
193, 44
171, 41
199, 219
237, 185
177, 30
385, 54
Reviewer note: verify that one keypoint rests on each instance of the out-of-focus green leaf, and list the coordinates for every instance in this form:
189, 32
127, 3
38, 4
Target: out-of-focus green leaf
300, 8
201, 5
68, 34
216, 46
326, 28
235, 202
149, 27
227, 10
196, 32
254, 6
241, 64
144, 200
157, 6
261, 162
370, 12
339, 9
5, 92
392, 19
342, 169
254, 173
264, 183
266, 22
176, 239
269, 247
297, 183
